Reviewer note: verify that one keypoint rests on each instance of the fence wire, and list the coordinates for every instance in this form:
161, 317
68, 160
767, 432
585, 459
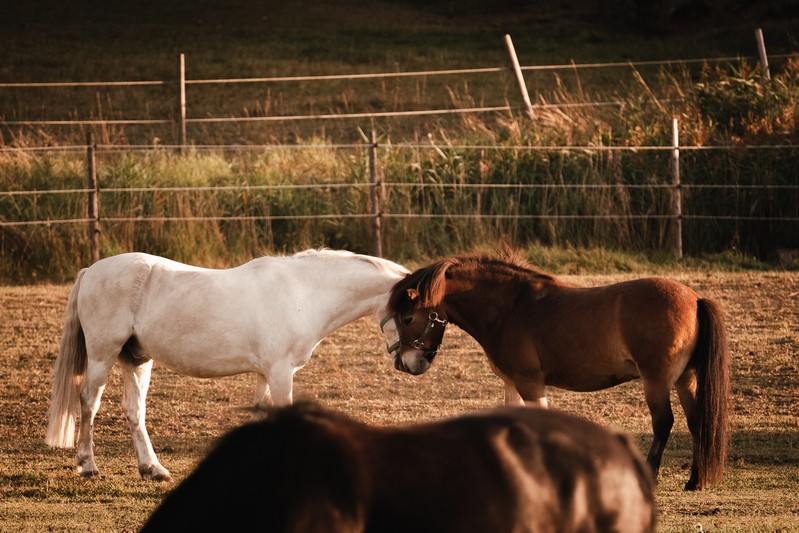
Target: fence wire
360, 146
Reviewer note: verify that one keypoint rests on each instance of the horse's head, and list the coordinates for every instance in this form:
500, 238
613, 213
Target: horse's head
414, 325
413, 334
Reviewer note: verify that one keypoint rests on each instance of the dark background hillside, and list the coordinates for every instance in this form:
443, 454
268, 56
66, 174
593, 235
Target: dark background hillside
55, 40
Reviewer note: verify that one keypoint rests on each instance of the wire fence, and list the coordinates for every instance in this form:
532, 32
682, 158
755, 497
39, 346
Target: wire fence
406, 185
376, 213
183, 82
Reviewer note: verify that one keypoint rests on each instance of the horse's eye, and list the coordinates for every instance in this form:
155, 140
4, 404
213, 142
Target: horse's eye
406, 320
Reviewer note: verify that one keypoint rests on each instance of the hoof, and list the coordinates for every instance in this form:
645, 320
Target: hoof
155, 473
89, 474
692, 486
693, 483
259, 413
88, 469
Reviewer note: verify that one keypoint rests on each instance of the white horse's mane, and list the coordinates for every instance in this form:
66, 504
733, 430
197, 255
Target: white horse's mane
381, 264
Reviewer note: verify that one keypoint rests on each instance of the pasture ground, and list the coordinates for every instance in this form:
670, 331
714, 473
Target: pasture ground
39, 490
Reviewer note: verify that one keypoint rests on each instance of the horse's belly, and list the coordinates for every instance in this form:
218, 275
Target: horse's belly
593, 383
207, 367
586, 378
198, 356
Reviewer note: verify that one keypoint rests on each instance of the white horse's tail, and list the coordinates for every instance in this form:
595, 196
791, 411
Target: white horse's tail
67, 378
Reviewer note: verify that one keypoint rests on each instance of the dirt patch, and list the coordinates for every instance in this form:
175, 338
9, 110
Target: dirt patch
350, 371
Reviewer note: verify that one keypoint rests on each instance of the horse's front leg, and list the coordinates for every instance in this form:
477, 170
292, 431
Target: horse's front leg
532, 391
273, 388
537, 396
263, 398
512, 396
136, 376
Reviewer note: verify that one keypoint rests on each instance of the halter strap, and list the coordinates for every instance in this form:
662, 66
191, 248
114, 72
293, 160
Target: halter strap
418, 342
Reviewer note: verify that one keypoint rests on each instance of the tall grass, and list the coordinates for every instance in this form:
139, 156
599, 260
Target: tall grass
440, 197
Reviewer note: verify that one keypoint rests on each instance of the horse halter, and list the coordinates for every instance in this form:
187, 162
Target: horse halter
418, 342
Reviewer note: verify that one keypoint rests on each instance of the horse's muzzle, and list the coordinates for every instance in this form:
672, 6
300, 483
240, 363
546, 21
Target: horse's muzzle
419, 369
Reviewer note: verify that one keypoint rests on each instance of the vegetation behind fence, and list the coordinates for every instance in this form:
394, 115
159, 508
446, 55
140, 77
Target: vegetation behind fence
576, 174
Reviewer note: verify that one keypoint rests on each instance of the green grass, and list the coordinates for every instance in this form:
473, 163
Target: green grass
442, 189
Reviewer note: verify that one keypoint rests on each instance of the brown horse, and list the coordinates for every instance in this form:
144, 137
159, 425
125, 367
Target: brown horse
306, 468
538, 331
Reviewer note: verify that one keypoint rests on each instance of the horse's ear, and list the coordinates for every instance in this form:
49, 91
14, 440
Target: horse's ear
412, 294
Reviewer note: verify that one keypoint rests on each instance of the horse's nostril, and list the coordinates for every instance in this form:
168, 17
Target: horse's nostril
399, 365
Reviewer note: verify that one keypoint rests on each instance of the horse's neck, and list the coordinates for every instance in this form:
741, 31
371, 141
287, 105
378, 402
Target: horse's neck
358, 293
481, 307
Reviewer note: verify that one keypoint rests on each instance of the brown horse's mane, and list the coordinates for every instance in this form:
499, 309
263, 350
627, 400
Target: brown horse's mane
431, 281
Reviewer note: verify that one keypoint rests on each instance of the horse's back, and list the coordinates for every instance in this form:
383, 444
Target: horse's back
124, 274
527, 470
655, 294
642, 295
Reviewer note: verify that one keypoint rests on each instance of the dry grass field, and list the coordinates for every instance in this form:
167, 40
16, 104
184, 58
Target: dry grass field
39, 490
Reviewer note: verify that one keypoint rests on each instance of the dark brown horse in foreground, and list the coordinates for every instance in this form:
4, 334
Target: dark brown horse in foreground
308, 469
538, 331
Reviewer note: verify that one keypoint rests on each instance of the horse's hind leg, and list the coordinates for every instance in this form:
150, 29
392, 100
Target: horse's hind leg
136, 376
686, 390
90, 395
657, 398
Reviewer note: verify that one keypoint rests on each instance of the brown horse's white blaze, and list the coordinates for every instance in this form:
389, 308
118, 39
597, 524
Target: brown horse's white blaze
537, 331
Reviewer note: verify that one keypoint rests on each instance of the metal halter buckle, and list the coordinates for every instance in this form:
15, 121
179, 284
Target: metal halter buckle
418, 342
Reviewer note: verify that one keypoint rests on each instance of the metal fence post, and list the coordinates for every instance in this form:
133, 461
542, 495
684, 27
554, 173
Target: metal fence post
374, 195
94, 201
676, 193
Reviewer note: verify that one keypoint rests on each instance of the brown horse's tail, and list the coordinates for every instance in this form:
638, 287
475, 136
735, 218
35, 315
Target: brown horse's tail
67, 378
712, 361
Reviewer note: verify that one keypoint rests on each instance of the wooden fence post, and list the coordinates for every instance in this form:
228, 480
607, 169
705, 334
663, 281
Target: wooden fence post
761, 49
94, 201
676, 194
181, 102
374, 194
519, 77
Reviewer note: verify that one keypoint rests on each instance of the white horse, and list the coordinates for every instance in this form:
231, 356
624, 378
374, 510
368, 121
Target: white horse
265, 316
